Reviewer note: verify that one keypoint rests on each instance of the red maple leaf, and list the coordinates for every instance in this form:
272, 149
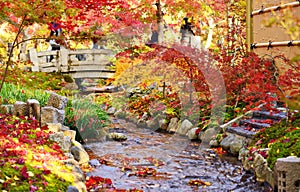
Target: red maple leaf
24, 172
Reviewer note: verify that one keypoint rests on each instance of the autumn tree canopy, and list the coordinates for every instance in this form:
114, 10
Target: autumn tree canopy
97, 17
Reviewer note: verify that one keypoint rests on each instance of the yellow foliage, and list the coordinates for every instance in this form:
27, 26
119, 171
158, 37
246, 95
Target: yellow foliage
123, 64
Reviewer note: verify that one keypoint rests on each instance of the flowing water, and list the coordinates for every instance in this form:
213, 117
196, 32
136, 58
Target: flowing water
154, 161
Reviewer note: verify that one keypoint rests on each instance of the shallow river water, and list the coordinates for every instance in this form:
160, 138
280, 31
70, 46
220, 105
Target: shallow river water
153, 161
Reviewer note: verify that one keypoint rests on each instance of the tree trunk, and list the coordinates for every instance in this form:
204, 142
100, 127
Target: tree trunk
23, 47
210, 33
160, 23
160, 33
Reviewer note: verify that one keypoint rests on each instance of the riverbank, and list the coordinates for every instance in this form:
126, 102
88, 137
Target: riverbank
152, 160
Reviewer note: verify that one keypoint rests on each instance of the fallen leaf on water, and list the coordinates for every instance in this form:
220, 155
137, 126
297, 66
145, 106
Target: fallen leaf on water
143, 172
219, 150
154, 161
126, 168
96, 181
104, 161
199, 182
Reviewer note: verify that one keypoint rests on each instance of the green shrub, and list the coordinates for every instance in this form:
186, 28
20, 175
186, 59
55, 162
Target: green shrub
86, 118
11, 93
68, 79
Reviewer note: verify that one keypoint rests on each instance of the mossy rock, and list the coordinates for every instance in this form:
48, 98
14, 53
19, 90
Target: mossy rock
68, 79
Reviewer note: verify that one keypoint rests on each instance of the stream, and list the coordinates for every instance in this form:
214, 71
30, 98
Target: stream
153, 161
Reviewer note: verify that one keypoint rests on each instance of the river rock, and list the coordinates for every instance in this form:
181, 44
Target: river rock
154, 123
57, 101
71, 86
184, 127
111, 111
232, 143
80, 154
162, 123
192, 133
72, 189
94, 163
236, 145
226, 142
117, 136
173, 125
120, 114
209, 134
140, 122
260, 167
214, 143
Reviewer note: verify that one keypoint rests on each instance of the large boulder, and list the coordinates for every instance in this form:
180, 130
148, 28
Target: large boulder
154, 122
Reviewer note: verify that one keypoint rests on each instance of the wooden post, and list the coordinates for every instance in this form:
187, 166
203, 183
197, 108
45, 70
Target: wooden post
249, 27
63, 59
164, 90
34, 59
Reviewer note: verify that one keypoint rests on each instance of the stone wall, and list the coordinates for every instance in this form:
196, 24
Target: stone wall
53, 115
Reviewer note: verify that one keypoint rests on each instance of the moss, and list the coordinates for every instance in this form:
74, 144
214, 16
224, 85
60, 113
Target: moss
282, 138
12, 179
286, 146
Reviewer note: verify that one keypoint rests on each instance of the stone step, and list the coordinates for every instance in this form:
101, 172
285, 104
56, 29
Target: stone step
242, 131
254, 123
269, 115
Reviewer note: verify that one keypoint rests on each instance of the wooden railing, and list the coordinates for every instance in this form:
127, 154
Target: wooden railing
83, 63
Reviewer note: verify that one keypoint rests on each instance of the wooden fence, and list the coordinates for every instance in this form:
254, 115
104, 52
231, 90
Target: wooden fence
89, 63
274, 39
